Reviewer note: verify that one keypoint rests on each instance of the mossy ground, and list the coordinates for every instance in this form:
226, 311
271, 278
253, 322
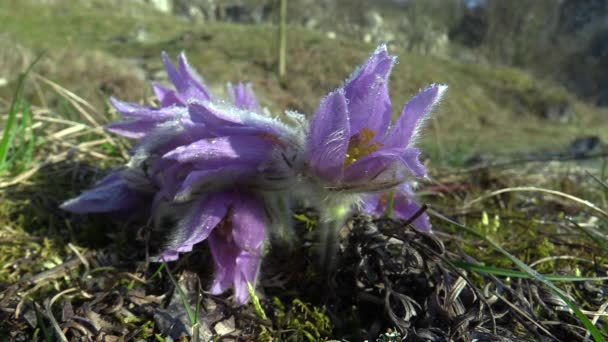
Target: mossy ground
90, 45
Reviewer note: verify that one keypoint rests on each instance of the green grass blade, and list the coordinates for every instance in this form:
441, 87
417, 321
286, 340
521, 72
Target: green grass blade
391, 205
596, 334
516, 274
182, 295
12, 113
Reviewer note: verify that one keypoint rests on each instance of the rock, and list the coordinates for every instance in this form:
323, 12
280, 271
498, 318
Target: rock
583, 146
560, 112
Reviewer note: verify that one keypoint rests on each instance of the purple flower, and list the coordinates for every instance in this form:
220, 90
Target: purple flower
193, 158
234, 222
174, 104
404, 206
352, 147
229, 172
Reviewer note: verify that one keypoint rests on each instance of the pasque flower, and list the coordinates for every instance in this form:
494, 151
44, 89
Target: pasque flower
353, 149
194, 157
352, 145
228, 172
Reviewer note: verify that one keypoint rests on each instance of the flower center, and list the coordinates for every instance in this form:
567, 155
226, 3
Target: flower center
361, 145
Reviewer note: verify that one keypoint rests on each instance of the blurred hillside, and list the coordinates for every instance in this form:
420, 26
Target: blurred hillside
98, 48
562, 40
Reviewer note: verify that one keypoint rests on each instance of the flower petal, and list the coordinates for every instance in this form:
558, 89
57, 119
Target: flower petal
405, 208
187, 82
412, 116
247, 269
195, 81
371, 204
379, 65
215, 151
244, 97
132, 129
225, 253
198, 224
411, 159
249, 224
166, 96
211, 115
109, 194
372, 165
329, 136
201, 181
373, 111
132, 110
369, 104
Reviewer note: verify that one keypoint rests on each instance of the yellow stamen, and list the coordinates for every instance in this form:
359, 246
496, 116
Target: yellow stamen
361, 145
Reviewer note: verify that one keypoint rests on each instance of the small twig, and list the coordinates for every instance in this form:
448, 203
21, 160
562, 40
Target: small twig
525, 315
50, 315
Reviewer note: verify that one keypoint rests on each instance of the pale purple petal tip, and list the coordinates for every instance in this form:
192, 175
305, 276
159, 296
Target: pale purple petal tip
132, 130
244, 97
411, 159
247, 266
413, 114
192, 78
377, 67
109, 194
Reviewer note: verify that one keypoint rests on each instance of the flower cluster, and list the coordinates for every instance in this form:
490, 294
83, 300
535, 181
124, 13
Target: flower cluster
230, 173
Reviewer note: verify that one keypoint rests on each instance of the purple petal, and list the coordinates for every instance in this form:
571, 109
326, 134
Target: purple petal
223, 120
247, 269
210, 115
371, 204
372, 165
166, 96
202, 218
373, 111
329, 137
186, 81
109, 194
244, 97
132, 129
412, 116
245, 149
132, 110
249, 224
378, 66
193, 79
198, 180
405, 208
369, 104
411, 159
224, 252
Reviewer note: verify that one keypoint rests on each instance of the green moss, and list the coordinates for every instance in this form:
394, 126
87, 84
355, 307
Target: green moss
298, 321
